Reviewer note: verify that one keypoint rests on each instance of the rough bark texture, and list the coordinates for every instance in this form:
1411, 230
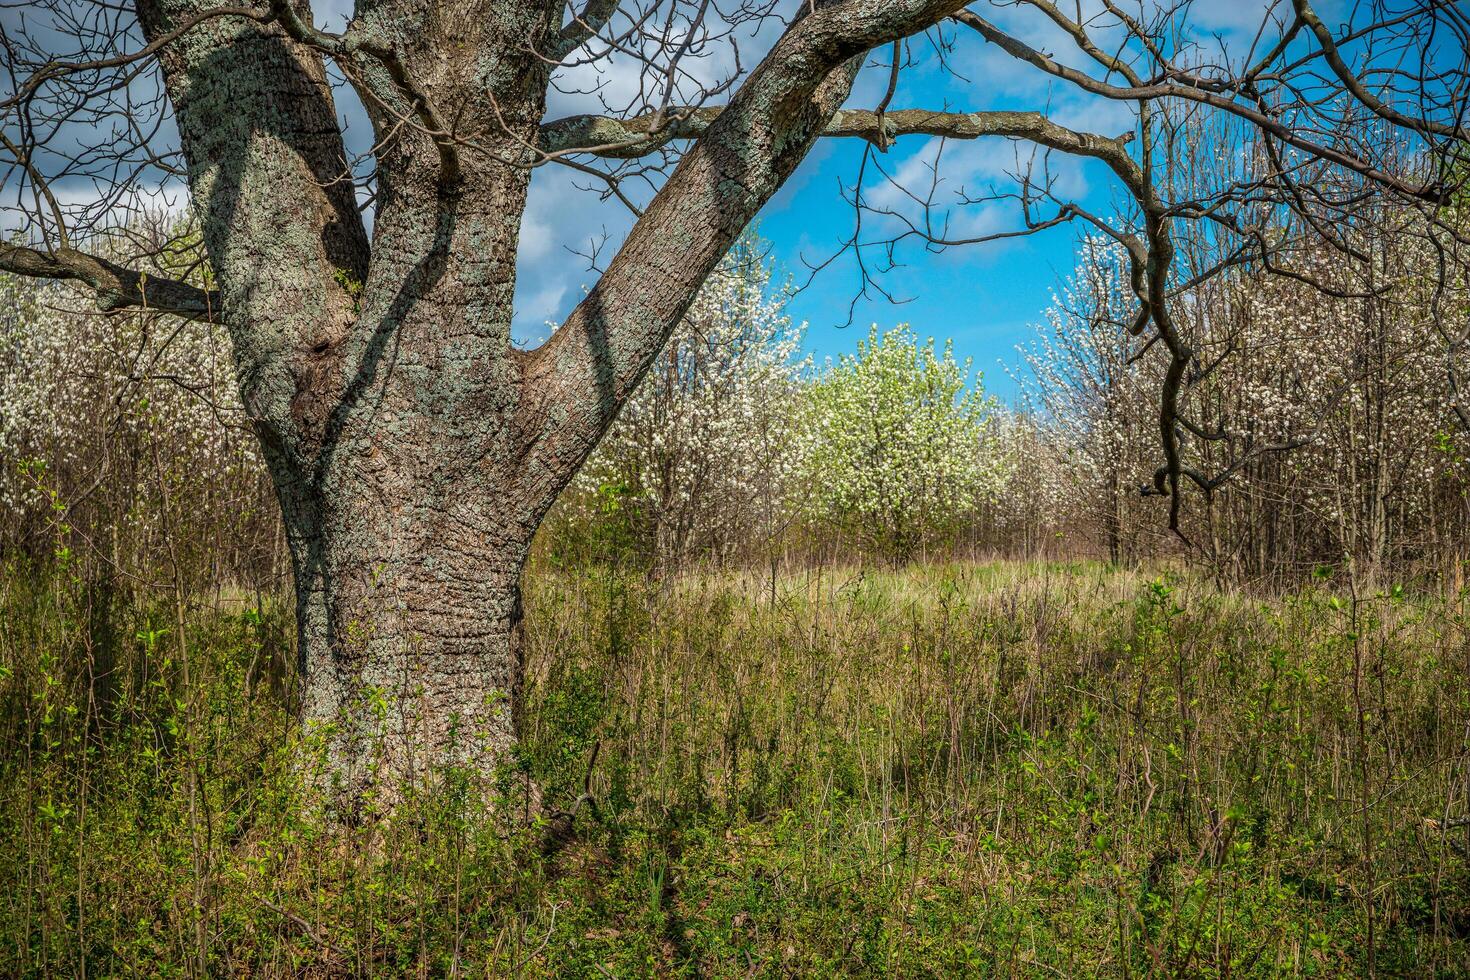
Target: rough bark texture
413, 449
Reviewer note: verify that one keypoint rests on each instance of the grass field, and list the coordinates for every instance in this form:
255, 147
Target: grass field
1004, 769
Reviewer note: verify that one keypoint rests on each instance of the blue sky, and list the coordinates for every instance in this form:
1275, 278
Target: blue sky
987, 297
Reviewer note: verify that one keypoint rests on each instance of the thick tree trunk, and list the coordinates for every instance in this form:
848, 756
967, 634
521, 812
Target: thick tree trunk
410, 647
384, 389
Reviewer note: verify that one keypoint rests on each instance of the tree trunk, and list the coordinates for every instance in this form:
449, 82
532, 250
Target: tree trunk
409, 634
381, 379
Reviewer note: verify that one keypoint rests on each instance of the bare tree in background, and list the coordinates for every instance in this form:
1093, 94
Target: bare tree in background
413, 449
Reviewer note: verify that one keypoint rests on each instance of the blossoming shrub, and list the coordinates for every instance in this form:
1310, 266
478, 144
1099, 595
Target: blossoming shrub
124, 450
901, 443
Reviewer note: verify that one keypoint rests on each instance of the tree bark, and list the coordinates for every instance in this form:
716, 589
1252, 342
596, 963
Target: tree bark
410, 643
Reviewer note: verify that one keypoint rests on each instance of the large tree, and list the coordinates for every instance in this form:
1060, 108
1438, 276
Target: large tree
413, 448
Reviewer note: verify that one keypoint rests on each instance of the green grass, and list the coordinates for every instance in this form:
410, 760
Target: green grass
1005, 769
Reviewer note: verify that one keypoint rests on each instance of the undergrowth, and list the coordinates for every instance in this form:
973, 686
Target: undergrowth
1000, 769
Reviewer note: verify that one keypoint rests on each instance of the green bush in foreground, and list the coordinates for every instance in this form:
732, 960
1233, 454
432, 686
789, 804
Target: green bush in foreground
953, 770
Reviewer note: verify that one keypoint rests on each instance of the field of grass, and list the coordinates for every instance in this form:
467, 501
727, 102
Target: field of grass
1004, 769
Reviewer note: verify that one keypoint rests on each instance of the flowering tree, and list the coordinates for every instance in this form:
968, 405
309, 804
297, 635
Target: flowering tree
702, 458
900, 442
1095, 400
1338, 370
1376, 475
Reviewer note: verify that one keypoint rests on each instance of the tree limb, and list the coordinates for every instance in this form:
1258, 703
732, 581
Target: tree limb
576, 381
584, 26
116, 287
609, 136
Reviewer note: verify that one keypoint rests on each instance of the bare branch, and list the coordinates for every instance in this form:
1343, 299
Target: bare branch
608, 136
1433, 193
116, 287
1353, 84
